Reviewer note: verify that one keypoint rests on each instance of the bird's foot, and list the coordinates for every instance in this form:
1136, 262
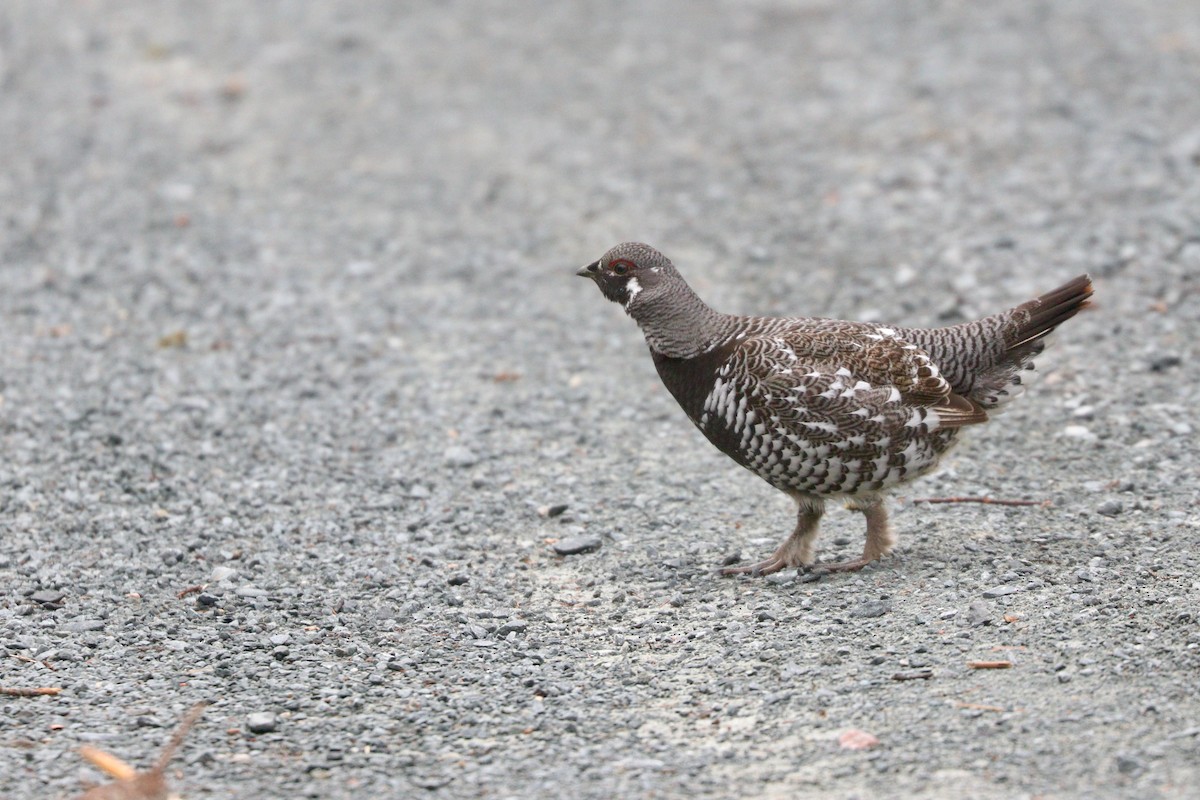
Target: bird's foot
767, 567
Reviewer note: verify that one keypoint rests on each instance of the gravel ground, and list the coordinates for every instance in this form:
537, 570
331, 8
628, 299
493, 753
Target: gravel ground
290, 315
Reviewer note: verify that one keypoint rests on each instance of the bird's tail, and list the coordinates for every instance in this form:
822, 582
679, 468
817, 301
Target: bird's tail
990, 360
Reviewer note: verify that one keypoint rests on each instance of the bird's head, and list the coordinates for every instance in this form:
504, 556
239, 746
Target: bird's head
631, 274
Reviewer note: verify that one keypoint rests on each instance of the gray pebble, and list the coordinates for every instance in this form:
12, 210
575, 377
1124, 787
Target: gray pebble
84, 625
460, 457
47, 597
1128, 765
577, 544
262, 722
871, 608
1165, 362
1001, 591
1110, 508
222, 574
512, 626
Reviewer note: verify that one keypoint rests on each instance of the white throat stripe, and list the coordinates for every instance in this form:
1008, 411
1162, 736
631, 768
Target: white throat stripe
633, 287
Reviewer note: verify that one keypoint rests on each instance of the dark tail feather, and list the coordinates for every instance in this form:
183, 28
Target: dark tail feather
1034, 320
1024, 336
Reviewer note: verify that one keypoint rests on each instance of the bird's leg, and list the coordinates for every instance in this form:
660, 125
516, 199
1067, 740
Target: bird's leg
796, 550
880, 539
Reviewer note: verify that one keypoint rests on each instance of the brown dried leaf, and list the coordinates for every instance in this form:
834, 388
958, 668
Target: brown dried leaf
173, 339
131, 784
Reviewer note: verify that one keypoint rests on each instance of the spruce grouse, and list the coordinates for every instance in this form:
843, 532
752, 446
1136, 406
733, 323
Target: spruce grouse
823, 409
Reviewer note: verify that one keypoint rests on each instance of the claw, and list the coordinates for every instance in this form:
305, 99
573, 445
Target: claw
767, 567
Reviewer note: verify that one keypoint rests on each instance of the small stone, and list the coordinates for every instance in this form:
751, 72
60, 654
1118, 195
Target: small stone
1165, 362
871, 608
419, 492
207, 600
460, 457
222, 574
47, 597
1001, 591
458, 579
676, 600
280, 638
84, 625
731, 559
556, 510
262, 722
1078, 432
575, 545
857, 740
979, 614
765, 616
1110, 508
512, 626
1128, 765
249, 590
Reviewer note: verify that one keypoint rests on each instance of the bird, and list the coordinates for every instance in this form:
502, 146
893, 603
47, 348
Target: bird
828, 410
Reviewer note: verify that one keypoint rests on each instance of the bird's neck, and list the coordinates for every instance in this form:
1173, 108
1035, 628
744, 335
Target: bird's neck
682, 325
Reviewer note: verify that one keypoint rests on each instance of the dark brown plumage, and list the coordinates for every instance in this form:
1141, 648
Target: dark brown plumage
825, 409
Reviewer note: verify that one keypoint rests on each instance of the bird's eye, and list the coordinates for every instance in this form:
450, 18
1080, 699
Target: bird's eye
620, 267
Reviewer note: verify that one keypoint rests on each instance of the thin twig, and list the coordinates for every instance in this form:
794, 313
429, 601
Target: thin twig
190, 590
18, 691
189, 720
979, 707
991, 501
989, 664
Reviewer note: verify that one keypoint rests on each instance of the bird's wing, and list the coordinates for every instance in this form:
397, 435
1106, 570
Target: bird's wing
851, 384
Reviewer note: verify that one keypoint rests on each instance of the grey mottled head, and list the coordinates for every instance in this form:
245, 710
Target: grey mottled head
675, 321
632, 274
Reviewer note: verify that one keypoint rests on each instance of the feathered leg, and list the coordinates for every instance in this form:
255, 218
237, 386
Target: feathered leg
796, 550
880, 539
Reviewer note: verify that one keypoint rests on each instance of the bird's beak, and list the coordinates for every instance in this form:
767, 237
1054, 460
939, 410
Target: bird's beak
590, 271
